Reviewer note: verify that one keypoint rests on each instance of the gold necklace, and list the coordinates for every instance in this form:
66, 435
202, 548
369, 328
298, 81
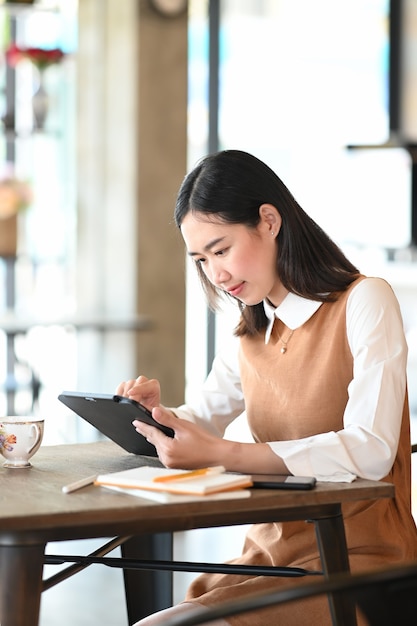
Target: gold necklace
284, 343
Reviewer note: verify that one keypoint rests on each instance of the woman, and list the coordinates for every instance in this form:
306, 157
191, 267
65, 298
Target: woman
319, 368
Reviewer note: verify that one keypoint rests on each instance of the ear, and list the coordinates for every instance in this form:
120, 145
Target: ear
270, 219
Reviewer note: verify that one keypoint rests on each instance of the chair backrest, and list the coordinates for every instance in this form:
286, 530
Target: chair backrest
386, 597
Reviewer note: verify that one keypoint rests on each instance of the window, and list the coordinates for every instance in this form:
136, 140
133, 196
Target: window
299, 82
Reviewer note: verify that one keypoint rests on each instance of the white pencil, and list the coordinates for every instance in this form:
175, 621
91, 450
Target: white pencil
78, 484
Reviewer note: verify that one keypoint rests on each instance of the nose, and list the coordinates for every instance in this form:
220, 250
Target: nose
216, 273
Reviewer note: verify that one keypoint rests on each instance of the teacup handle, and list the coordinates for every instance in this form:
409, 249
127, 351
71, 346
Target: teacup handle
38, 437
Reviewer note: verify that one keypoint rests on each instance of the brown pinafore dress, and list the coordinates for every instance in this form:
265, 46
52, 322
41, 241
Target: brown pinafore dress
291, 396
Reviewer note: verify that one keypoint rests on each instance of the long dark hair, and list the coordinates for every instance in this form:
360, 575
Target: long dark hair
233, 185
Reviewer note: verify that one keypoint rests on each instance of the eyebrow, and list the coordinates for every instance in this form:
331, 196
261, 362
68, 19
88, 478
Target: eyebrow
211, 244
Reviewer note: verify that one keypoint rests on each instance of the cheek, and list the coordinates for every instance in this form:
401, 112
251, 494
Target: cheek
243, 265
265, 273
263, 260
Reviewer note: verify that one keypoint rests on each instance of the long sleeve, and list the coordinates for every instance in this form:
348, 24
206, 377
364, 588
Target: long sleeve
367, 444
220, 400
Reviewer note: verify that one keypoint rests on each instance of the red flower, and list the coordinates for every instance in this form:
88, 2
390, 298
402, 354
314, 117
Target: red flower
41, 57
13, 55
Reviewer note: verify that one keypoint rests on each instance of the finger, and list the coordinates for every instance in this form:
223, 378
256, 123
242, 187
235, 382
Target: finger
124, 387
147, 392
151, 433
164, 416
142, 428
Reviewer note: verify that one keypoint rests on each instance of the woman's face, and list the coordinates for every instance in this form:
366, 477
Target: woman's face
235, 258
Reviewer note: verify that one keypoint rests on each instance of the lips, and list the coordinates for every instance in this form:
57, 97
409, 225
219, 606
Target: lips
236, 289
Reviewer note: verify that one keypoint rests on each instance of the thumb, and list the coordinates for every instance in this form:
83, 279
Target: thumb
164, 416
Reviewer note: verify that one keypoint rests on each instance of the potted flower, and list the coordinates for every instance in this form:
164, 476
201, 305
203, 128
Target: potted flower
15, 196
41, 58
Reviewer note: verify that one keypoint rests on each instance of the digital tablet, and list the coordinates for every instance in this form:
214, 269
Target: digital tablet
282, 481
113, 417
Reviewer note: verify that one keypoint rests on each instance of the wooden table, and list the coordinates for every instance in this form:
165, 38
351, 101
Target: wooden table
34, 511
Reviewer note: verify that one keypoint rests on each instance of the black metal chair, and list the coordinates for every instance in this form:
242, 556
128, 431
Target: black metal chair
147, 562
386, 597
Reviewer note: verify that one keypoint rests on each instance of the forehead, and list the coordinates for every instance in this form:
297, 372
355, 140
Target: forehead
200, 225
196, 218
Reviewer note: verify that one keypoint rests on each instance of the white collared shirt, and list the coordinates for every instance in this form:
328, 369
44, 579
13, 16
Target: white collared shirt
367, 444
293, 311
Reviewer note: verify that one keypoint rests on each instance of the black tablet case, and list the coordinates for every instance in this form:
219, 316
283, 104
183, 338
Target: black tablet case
111, 417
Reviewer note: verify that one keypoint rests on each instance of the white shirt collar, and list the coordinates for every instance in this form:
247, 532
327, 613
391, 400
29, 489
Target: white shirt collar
294, 311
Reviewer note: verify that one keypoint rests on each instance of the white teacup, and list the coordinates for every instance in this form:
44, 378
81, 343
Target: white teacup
20, 438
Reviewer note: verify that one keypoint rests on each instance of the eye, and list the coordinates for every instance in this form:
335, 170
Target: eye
199, 261
221, 252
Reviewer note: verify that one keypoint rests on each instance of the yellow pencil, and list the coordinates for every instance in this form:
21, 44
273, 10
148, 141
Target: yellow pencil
217, 469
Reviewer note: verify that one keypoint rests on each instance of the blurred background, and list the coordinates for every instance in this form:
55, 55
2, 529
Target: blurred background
106, 104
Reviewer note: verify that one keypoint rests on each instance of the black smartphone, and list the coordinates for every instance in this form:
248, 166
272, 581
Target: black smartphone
282, 481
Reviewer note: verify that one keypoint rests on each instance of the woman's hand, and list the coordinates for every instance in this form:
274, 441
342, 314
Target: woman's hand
192, 447
147, 391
